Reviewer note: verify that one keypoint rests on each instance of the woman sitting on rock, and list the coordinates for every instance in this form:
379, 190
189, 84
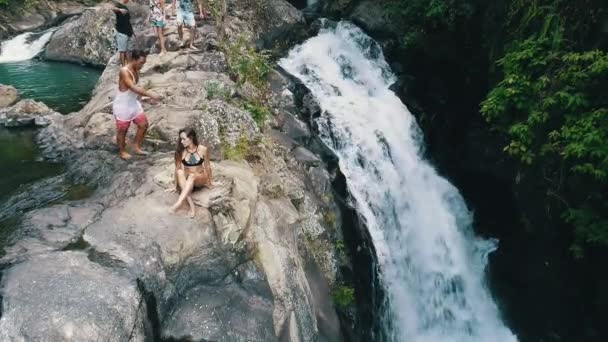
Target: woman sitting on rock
192, 168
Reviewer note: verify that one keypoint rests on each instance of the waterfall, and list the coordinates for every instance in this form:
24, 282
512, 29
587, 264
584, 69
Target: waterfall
24, 46
430, 263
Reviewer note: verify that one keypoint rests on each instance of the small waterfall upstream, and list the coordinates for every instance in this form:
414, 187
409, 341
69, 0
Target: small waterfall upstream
430, 263
24, 46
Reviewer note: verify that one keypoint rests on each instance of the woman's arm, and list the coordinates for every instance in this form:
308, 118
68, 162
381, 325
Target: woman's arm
178, 166
208, 164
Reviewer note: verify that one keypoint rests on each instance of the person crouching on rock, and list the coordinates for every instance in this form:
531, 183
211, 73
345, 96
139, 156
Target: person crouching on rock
126, 106
192, 168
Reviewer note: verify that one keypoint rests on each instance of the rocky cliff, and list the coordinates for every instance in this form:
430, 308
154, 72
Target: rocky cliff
257, 263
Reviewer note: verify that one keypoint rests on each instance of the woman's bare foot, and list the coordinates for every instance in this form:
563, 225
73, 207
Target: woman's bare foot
173, 209
193, 48
192, 213
124, 155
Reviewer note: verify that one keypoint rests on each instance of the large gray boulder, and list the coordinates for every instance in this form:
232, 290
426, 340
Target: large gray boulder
89, 38
65, 297
85, 39
372, 15
272, 23
239, 308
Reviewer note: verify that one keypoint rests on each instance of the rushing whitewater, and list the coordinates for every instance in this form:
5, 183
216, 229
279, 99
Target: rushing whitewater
22, 47
431, 265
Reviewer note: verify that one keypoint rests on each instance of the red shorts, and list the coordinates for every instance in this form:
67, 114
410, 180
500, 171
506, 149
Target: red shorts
139, 120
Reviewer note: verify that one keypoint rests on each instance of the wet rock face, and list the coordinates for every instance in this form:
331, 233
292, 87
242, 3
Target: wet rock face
34, 18
64, 296
238, 308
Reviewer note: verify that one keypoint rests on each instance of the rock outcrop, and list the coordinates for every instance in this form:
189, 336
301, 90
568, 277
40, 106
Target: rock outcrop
8, 95
42, 14
89, 37
26, 113
86, 39
257, 263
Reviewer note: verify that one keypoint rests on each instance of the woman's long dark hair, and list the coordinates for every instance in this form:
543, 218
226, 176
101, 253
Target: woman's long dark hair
179, 150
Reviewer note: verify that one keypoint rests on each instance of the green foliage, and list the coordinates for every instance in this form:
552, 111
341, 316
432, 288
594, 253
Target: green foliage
555, 20
545, 98
258, 112
238, 151
219, 11
552, 106
426, 16
343, 296
246, 64
340, 247
330, 219
14, 4
215, 90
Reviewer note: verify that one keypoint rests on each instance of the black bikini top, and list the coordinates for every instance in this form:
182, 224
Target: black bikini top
192, 160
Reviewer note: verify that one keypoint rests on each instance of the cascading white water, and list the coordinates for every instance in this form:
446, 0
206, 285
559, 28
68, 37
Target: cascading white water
22, 48
431, 265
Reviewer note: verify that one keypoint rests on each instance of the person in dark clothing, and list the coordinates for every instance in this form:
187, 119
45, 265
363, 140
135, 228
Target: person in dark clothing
124, 30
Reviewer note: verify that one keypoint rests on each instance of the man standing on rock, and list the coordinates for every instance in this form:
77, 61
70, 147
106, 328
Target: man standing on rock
124, 30
185, 17
126, 106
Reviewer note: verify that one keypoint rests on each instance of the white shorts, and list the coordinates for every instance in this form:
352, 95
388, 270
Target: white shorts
185, 18
123, 42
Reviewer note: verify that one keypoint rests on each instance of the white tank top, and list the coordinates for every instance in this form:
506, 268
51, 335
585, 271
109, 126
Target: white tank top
126, 106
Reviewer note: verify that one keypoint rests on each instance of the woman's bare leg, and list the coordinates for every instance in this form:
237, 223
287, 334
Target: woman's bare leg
192, 211
186, 191
201, 179
180, 177
161, 39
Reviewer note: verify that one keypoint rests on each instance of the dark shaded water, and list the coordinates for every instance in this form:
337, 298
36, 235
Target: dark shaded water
20, 161
28, 181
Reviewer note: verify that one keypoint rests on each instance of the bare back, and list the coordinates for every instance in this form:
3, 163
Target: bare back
126, 77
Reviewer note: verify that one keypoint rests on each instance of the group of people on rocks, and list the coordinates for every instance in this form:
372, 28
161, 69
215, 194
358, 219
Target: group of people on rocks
192, 163
182, 10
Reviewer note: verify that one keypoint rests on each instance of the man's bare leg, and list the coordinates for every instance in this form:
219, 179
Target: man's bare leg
139, 138
121, 136
192, 37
